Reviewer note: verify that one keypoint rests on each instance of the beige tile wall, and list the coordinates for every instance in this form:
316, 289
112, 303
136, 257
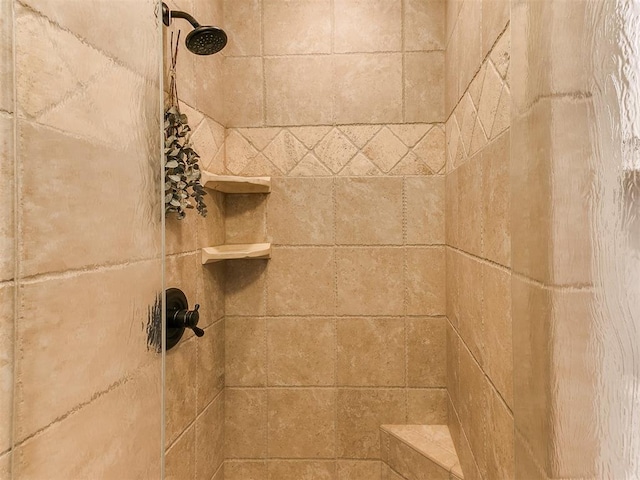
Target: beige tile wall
343, 329
88, 236
194, 386
478, 237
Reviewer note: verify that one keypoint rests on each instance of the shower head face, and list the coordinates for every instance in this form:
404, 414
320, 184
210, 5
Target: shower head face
206, 40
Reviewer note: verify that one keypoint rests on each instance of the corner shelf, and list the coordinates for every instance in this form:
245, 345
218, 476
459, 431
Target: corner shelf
234, 184
233, 252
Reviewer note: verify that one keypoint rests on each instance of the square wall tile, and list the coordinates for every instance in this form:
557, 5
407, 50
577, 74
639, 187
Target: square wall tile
180, 458
301, 351
245, 287
358, 470
244, 19
470, 212
424, 24
370, 281
210, 439
245, 470
245, 423
367, 26
245, 351
427, 406
368, 88
301, 281
245, 218
495, 17
6, 57
424, 87
453, 365
6, 364
296, 26
425, 282
180, 405
300, 211
302, 423
426, 352
360, 414
371, 352
425, 210
302, 469
470, 299
6, 196
500, 440
299, 90
369, 211
210, 364
243, 96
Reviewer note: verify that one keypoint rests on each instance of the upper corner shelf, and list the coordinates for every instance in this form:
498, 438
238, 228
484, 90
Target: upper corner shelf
231, 252
233, 184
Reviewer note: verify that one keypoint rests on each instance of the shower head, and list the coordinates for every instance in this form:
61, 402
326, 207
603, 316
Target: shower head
203, 40
206, 40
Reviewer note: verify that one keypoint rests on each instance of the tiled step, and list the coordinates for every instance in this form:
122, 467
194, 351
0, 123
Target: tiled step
418, 452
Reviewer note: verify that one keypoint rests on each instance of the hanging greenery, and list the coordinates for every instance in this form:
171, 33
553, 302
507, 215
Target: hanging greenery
181, 169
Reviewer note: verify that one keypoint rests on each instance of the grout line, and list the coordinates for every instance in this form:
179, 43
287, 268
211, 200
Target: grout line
347, 316
332, 387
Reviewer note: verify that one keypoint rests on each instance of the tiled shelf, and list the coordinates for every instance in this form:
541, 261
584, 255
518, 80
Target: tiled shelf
235, 252
234, 184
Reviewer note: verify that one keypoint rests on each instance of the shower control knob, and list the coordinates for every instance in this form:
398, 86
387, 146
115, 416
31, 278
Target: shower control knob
179, 317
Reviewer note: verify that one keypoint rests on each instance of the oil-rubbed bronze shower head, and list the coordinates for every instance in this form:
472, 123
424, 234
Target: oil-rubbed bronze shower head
203, 40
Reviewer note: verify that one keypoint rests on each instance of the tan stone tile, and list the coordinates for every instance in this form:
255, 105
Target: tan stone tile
525, 465
6, 364
117, 297
5, 465
208, 98
371, 352
424, 23
358, 470
410, 134
55, 239
261, 167
425, 210
452, 60
501, 53
470, 296
245, 423
335, 150
180, 402
245, 470
474, 406
452, 286
302, 470
453, 365
299, 89
181, 235
470, 212
369, 211
431, 149
180, 458
469, 33
465, 454
213, 283
424, 104
500, 439
360, 414
360, 134
491, 89
245, 288
210, 364
497, 335
300, 211
311, 362
244, 19
297, 27
259, 137
301, 281
360, 166
302, 423
6, 54
495, 16
411, 164
384, 444
310, 135
245, 218
98, 427
497, 201
503, 113
387, 473
243, 102
426, 352
385, 150
245, 351
362, 274
367, 26
285, 151
240, 152
425, 280
466, 118
427, 406
210, 228
368, 88
310, 166
210, 439
6, 196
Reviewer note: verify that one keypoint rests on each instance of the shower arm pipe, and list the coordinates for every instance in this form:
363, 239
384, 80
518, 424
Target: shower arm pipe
168, 15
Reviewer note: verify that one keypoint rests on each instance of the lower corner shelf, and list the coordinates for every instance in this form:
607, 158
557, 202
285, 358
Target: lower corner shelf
235, 252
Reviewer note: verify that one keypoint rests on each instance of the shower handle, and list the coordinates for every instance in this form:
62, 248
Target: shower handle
188, 319
179, 317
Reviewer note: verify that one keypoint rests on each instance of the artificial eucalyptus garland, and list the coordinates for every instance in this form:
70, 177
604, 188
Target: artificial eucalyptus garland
181, 169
